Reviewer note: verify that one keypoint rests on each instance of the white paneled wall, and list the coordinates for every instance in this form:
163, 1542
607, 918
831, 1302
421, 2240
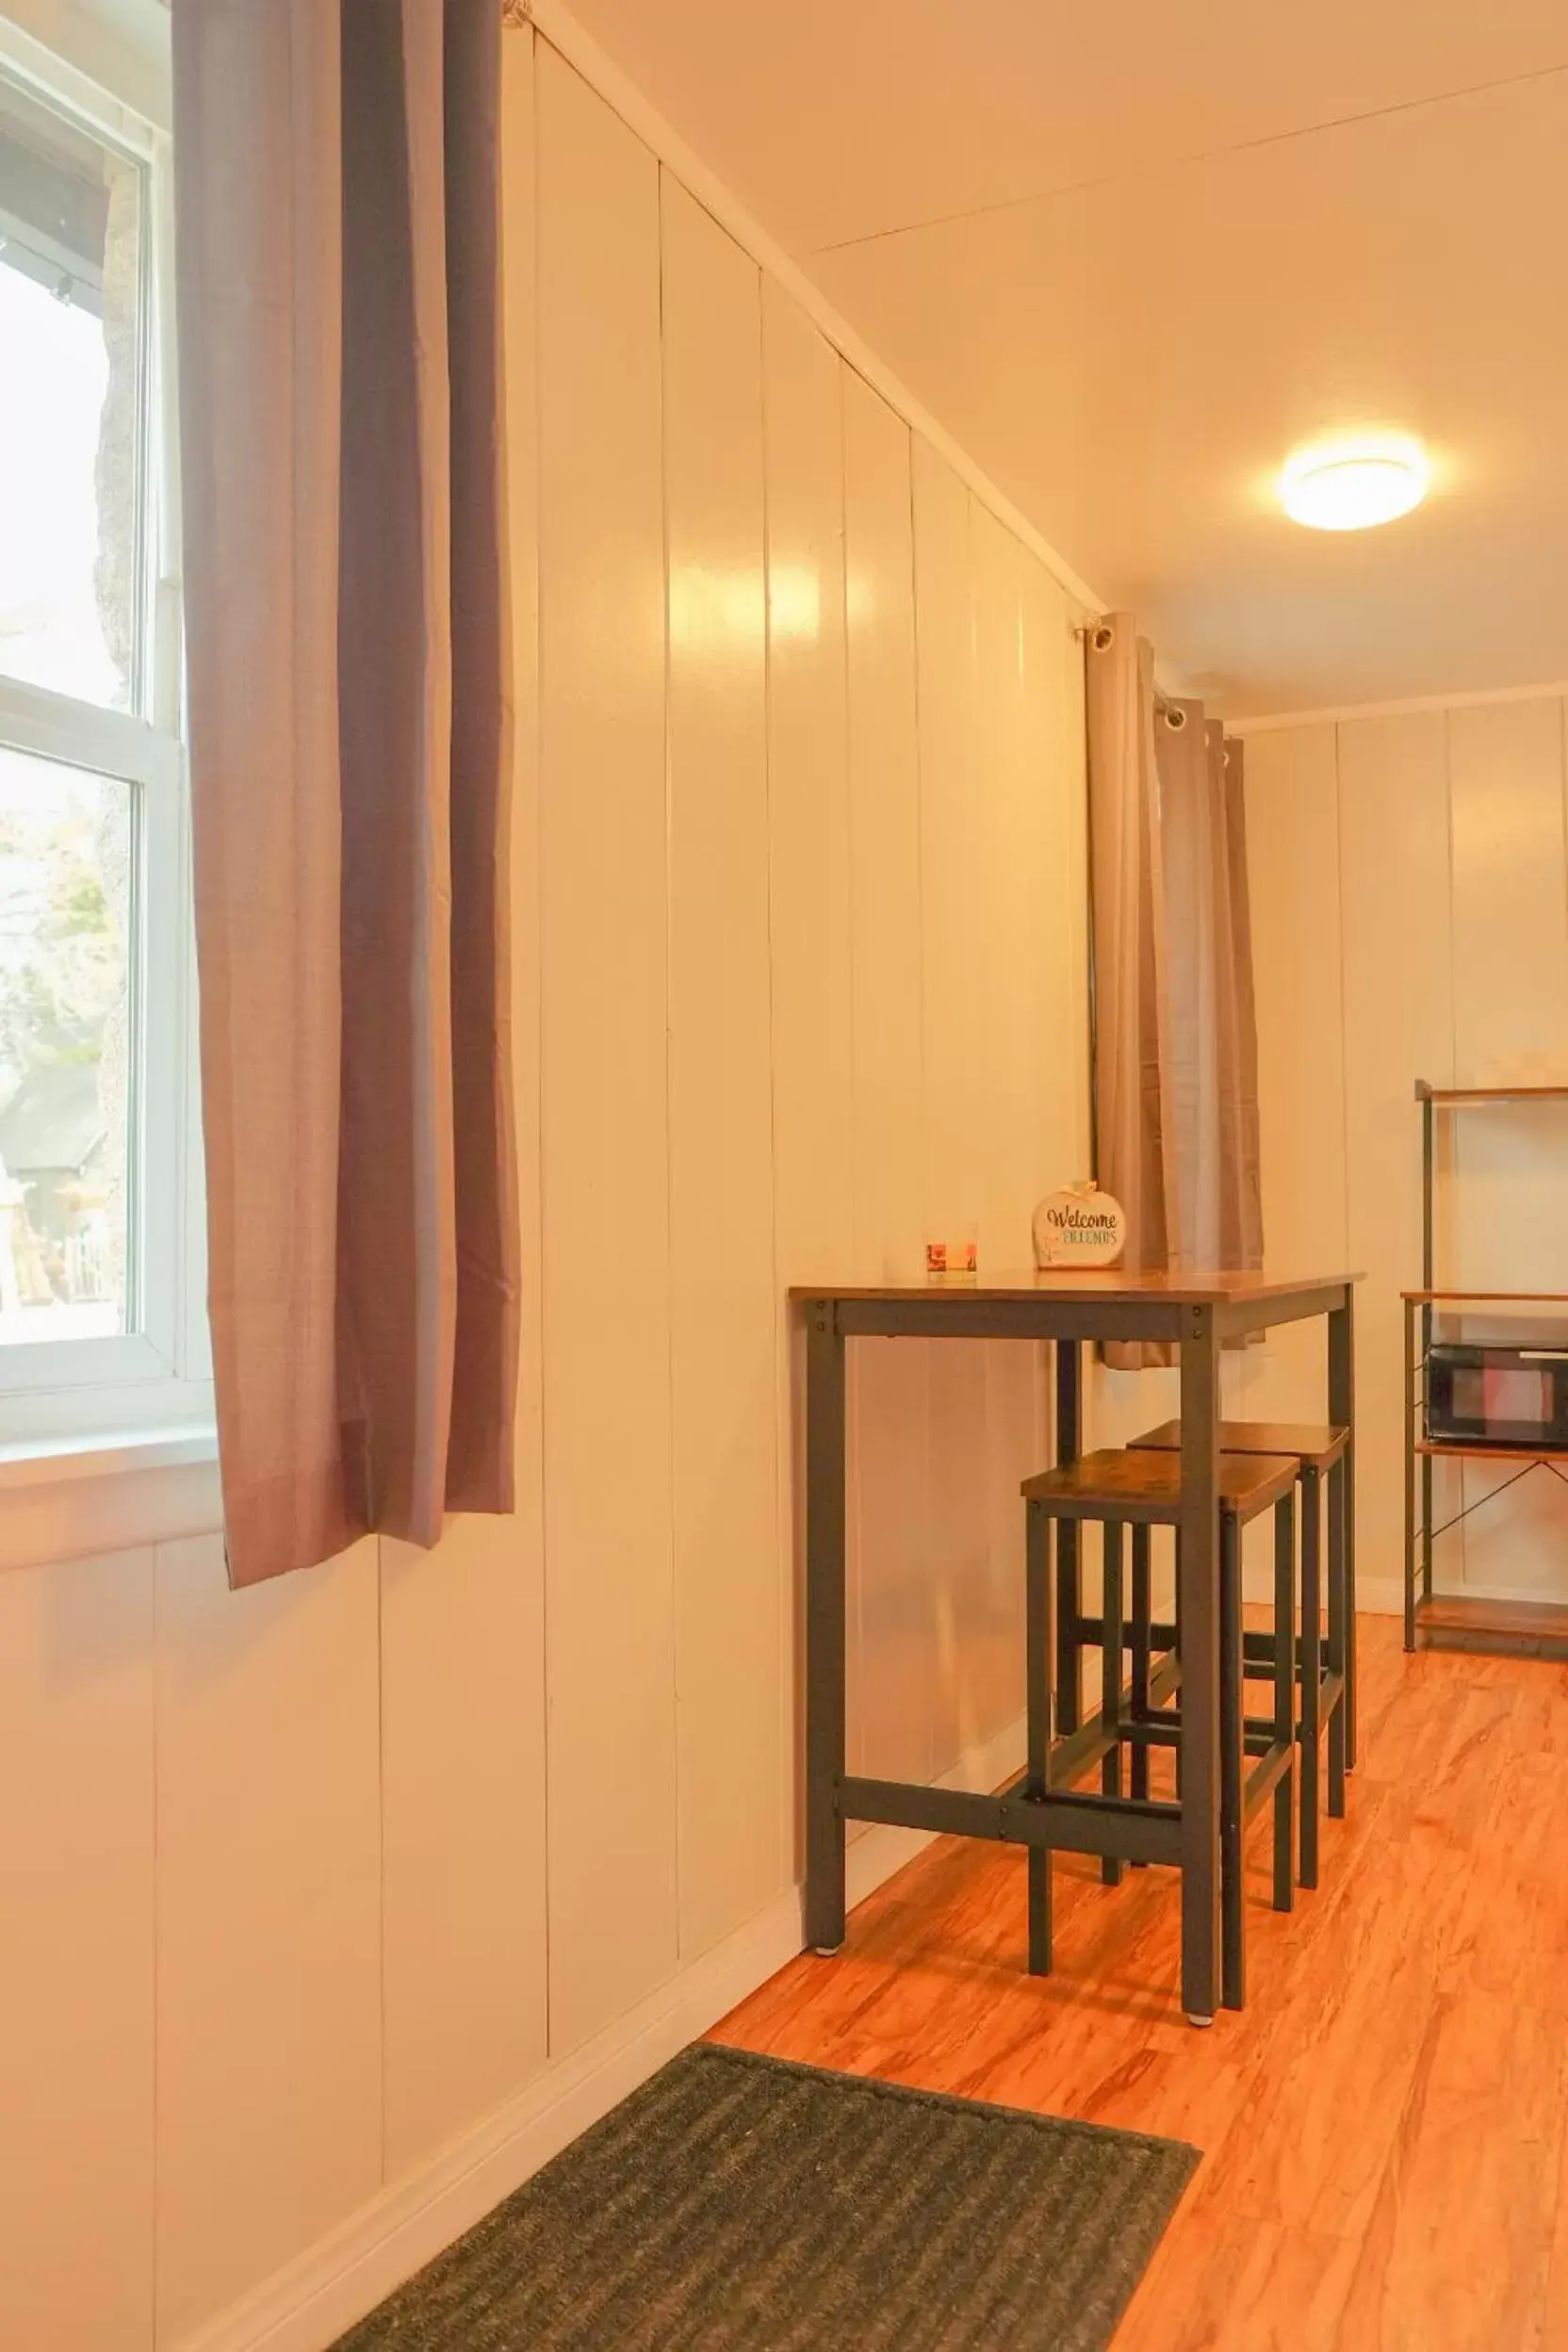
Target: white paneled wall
332, 1904
1509, 1190
1410, 898
809, 902
269, 2093
726, 1307
605, 955
78, 1839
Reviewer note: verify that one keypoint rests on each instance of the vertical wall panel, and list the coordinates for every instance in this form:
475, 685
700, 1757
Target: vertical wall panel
813, 1063
1069, 995
1056, 975
892, 1590
462, 1669
1293, 879
953, 938
895, 1533
608, 1509
1510, 907
953, 976
1400, 1026
1008, 867
269, 1919
727, 1660
464, 1814
1051, 783
76, 1845
520, 231
1511, 1026
884, 838
1053, 720
808, 797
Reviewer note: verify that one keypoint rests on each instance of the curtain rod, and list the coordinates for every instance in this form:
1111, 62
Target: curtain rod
1102, 636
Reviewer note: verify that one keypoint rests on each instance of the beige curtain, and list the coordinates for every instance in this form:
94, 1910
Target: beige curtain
338, 307
1176, 1095
1213, 1040
1134, 1108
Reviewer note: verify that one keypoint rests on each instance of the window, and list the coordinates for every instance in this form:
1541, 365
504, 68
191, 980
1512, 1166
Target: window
101, 1322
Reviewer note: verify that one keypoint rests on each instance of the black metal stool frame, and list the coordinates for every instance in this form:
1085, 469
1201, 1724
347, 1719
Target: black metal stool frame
1134, 1714
1324, 1665
1323, 1669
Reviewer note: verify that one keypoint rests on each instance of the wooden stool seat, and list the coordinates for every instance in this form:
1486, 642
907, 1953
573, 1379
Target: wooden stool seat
1145, 1491
1317, 1443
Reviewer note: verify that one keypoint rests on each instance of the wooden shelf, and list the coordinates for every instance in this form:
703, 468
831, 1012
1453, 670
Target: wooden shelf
1530, 1628
1527, 1629
1487, 1298
1476, 1449
1441, 1095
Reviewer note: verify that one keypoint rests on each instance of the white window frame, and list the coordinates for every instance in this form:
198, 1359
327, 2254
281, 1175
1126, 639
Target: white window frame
157, 1376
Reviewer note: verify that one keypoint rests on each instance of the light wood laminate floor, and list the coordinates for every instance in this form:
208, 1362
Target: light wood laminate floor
1383, 2129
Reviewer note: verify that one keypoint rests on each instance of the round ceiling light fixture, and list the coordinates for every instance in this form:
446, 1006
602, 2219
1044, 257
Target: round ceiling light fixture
1355, 484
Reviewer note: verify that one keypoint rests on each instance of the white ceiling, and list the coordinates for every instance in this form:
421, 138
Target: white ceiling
1131, 256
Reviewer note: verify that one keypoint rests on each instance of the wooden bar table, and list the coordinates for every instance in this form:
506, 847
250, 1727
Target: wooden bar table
1197, 1313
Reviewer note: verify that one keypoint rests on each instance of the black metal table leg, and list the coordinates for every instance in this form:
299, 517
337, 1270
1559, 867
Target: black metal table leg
1143, 1612
1338, 1614
1198, 1574
1110, 1677
1038, 1716
1233, 1768
1410, 1473
1070, 1577
1311, 1664
1342, 1412
825, 1628
1284, 1698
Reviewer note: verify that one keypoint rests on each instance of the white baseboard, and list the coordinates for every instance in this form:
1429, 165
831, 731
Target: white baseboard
1376, 1597
310, 2302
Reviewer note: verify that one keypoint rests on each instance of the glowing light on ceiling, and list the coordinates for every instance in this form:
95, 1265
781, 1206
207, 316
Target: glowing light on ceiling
1355, 484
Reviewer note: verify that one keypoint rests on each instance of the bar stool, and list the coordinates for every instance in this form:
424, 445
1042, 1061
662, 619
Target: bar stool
1317, 1447
1144, 1490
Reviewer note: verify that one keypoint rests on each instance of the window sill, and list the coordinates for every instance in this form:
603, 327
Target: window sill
44, 1462
68, 1497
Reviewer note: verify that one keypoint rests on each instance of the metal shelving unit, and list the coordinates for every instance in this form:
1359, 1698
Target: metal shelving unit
1527, 1629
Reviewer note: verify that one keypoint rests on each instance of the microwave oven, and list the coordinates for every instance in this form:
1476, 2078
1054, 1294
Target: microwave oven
1514, 1397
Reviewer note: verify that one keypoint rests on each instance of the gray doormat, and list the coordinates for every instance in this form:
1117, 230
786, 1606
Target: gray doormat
737, 2202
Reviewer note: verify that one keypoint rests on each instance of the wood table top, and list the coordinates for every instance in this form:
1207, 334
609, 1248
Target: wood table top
1112, 1285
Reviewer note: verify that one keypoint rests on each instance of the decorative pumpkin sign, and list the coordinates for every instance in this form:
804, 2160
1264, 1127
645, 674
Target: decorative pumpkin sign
1079, 1226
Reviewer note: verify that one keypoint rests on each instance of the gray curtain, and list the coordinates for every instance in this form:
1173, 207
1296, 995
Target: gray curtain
341, 397
1132, 1100
1212, 1038
1176, 1086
